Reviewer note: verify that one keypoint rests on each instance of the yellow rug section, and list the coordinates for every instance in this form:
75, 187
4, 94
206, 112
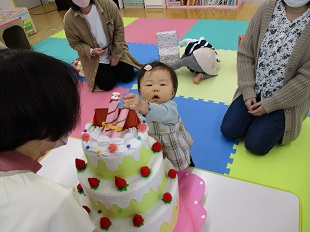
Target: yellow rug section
284, 167
128, 20
210, 89
59, 35
62, 35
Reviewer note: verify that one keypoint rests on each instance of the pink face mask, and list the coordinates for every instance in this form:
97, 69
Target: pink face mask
81, 3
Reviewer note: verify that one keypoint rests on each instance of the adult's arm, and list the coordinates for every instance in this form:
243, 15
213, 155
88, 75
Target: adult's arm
73, 39
292, 93
247, 55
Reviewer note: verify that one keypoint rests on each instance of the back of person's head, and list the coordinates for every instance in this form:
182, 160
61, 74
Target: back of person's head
76, 7
39, 98
157, 65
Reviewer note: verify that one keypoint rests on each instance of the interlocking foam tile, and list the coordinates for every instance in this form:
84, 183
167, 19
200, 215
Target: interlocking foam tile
222, 34
128, 20
284, 167
210, 151
58, 48
144, 30
89, 102
144, 53
218, 89
59, 35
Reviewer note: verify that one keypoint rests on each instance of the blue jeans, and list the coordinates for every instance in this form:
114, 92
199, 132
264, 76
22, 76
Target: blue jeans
260, 133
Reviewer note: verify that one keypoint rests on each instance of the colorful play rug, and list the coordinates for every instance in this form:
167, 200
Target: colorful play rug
203, 106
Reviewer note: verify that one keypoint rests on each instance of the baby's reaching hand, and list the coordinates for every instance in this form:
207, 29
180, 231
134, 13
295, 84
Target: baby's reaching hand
132, 101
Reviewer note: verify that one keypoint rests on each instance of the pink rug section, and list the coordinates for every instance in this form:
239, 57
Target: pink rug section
148, 27
89, 102
192, 214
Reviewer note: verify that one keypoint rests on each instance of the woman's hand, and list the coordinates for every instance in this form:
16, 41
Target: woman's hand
113, 61
99, 51
257, 109
249, 102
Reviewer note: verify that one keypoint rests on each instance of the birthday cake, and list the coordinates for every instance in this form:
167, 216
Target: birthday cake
125, 182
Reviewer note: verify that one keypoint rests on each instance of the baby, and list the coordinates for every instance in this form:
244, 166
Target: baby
157, 85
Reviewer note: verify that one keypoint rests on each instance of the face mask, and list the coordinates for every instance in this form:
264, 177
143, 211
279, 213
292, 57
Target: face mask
296, 3
81, 3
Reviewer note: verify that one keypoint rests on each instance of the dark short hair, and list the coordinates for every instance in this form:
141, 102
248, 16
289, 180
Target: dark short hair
76, 7
39, 98
157, 65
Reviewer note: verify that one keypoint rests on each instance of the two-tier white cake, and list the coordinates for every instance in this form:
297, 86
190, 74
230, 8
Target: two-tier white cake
126, 184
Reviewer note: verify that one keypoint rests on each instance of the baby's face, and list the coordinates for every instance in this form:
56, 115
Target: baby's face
156, 86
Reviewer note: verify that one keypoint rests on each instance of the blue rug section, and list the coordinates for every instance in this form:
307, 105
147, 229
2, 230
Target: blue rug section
222, 34
57, 48
144, 53
211, 151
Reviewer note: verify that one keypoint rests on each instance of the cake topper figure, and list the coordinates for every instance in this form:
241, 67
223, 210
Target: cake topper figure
113, 119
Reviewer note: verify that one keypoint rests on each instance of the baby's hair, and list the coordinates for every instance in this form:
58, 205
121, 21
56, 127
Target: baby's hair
157, 65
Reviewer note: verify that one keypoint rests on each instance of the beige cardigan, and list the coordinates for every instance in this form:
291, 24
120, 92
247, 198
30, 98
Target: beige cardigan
80, 38
294, 96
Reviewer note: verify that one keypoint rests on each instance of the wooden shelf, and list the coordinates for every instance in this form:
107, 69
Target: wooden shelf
177, 4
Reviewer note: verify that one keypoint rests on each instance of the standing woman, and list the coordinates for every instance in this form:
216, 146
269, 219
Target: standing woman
273, 64
95, 29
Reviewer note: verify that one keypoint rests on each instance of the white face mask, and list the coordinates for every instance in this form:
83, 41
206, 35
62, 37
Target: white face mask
296, 3
81, 3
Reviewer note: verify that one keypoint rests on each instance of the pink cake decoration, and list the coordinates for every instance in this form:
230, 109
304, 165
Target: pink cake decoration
192, 215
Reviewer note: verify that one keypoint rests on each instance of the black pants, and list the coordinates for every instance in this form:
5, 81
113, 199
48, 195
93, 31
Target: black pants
107, 75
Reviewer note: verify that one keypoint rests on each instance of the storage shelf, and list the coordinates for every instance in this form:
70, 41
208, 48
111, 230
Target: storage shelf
176, 4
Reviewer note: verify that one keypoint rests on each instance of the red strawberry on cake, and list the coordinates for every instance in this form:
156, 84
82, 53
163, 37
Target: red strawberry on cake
137, 220
167, 198
80, 164
105, 223
145, 171
93, 182
121, 183
157, 147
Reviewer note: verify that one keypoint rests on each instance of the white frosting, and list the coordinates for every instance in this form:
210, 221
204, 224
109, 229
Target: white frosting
97, 147
153, 219
108, 194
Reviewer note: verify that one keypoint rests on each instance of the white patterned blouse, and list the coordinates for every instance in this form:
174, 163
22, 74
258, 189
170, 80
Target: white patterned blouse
276, 49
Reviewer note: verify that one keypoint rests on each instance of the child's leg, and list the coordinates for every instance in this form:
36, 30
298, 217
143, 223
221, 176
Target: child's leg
201, 76
192, 162
198, 78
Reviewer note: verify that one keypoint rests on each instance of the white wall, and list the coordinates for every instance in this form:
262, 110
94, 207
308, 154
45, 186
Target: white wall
6, 3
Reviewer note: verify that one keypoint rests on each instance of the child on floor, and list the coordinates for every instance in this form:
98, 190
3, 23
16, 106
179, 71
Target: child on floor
157, 84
